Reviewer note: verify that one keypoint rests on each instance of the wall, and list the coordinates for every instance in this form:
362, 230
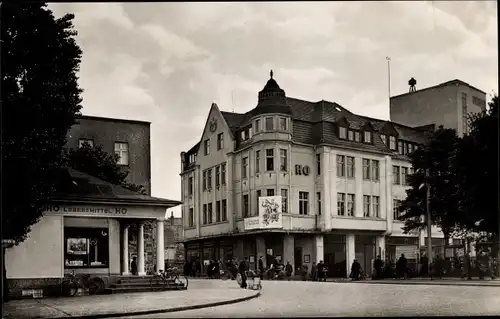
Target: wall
434, 105
471, 106
41, 254
106, 132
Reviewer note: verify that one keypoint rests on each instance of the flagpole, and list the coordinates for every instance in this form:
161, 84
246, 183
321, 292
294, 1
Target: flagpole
388, 58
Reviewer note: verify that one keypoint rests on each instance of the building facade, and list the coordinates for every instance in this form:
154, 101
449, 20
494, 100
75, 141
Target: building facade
339, 176
444, 104
128, 138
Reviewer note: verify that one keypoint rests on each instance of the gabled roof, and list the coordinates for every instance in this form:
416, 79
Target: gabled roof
76, 185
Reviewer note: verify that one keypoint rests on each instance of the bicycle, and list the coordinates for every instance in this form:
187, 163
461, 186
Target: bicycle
70, 285
164, 279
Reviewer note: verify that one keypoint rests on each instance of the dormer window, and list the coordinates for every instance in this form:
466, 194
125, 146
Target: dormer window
283, 124
357, 136
405, 148
392, 143
410, 148
384, 138
246, 134
192, 158
350, 135
256, 126
400, 147
342, 132
367, 137
269, 123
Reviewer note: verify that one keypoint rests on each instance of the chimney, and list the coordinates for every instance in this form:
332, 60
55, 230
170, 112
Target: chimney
183, 160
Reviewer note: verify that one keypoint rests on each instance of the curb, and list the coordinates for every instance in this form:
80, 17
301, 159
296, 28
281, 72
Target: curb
431, 283
175, 309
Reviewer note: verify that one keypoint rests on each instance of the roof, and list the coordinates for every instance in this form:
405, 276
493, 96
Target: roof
447, 83
109, 119
76, 185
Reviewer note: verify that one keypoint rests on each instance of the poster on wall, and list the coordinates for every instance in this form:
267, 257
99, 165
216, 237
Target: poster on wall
270, 214
251, 223
77, 246
410, 251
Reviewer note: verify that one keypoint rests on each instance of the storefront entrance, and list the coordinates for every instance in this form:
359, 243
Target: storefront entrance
335, 255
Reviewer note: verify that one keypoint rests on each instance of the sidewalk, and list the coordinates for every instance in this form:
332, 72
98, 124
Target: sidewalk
201, 294
446, 281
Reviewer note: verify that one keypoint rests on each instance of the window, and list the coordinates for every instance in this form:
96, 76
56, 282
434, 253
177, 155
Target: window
245, 206
259, 194
223, 174
318, 164
209, 179
400, 147
270, 160
244, 168
284, 198
342, 132
376, 206
190, 186
217, 176
257, 161
206, 147
392, 142
269, 123
405, 148
395, 208
367, 137
366, 206
350, 166
224, 210
357, 136
192, 158
375, 170
209, 219
121, 149
83, 141
283, 123
205, 180
270, 192
318, 201
410, 148
205, 218
383, 137
303, 203
350, 135
283, 160
366, 168
395, 175
340, 204
350, 204
220, 141
340, 165
86, 247
257, 126
217, 211
191, 217
404, 175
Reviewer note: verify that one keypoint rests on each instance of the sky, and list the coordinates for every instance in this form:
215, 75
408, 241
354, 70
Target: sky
166, 63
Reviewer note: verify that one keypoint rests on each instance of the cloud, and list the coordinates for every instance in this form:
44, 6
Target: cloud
167, 62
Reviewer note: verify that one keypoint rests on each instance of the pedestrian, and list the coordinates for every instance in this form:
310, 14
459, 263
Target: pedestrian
377, 265
193, 268
402, 267
314, 271
424, 266
355, 270
133, 266
261, 268
187, 267
304, 272
288, 270
242, 269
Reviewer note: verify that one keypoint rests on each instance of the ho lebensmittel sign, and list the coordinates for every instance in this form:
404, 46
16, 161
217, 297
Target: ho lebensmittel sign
86, 210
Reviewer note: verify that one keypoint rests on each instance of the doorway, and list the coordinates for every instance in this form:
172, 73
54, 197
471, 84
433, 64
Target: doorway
298, 258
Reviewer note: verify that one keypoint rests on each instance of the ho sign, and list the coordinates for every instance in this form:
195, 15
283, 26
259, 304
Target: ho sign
302, 170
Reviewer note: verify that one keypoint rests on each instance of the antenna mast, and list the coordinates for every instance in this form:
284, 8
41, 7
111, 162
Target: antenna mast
388, 58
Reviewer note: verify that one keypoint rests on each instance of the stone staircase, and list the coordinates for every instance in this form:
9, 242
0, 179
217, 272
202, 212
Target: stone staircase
128, 284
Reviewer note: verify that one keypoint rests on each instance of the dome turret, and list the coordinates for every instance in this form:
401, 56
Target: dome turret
272, 99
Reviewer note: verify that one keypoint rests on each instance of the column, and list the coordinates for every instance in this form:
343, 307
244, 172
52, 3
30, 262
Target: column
319, 248
350, 251
358, 199
125, 264
388, 192
380, 246
289, 249
238, 251
260, 244
160, 246
326, 171
140, 249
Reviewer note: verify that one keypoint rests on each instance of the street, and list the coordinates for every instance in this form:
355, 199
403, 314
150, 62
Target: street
300, 299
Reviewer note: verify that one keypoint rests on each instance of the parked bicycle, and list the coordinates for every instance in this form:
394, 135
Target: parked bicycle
71, 284
171, 277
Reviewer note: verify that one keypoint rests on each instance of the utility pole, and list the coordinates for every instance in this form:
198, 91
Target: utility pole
429, 221
389, 74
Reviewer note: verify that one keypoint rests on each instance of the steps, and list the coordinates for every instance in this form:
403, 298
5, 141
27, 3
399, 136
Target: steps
128, 284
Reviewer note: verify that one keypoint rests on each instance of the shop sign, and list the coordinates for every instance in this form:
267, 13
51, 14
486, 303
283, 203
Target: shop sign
270, 214
410, 251
90, 209
302, 170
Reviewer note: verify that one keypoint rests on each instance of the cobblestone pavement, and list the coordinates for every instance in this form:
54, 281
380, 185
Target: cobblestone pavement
299, 299
200, 292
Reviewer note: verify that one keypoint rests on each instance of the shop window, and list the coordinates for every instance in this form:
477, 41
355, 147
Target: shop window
86, 247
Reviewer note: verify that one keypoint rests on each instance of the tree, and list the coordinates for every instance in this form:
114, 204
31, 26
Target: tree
40, 101
436, 158
98, 163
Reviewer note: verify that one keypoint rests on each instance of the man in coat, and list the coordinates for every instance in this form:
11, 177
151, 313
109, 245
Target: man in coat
242, 269
261, 268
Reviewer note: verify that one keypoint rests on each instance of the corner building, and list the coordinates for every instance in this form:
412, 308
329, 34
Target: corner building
339, 175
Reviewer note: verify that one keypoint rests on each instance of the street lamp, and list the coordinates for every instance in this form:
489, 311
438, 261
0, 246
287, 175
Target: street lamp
428, 217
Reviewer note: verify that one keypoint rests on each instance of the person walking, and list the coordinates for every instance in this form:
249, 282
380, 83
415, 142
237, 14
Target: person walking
242, 269
261, 268
377, 265
133, 266
314, 271
288, 270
